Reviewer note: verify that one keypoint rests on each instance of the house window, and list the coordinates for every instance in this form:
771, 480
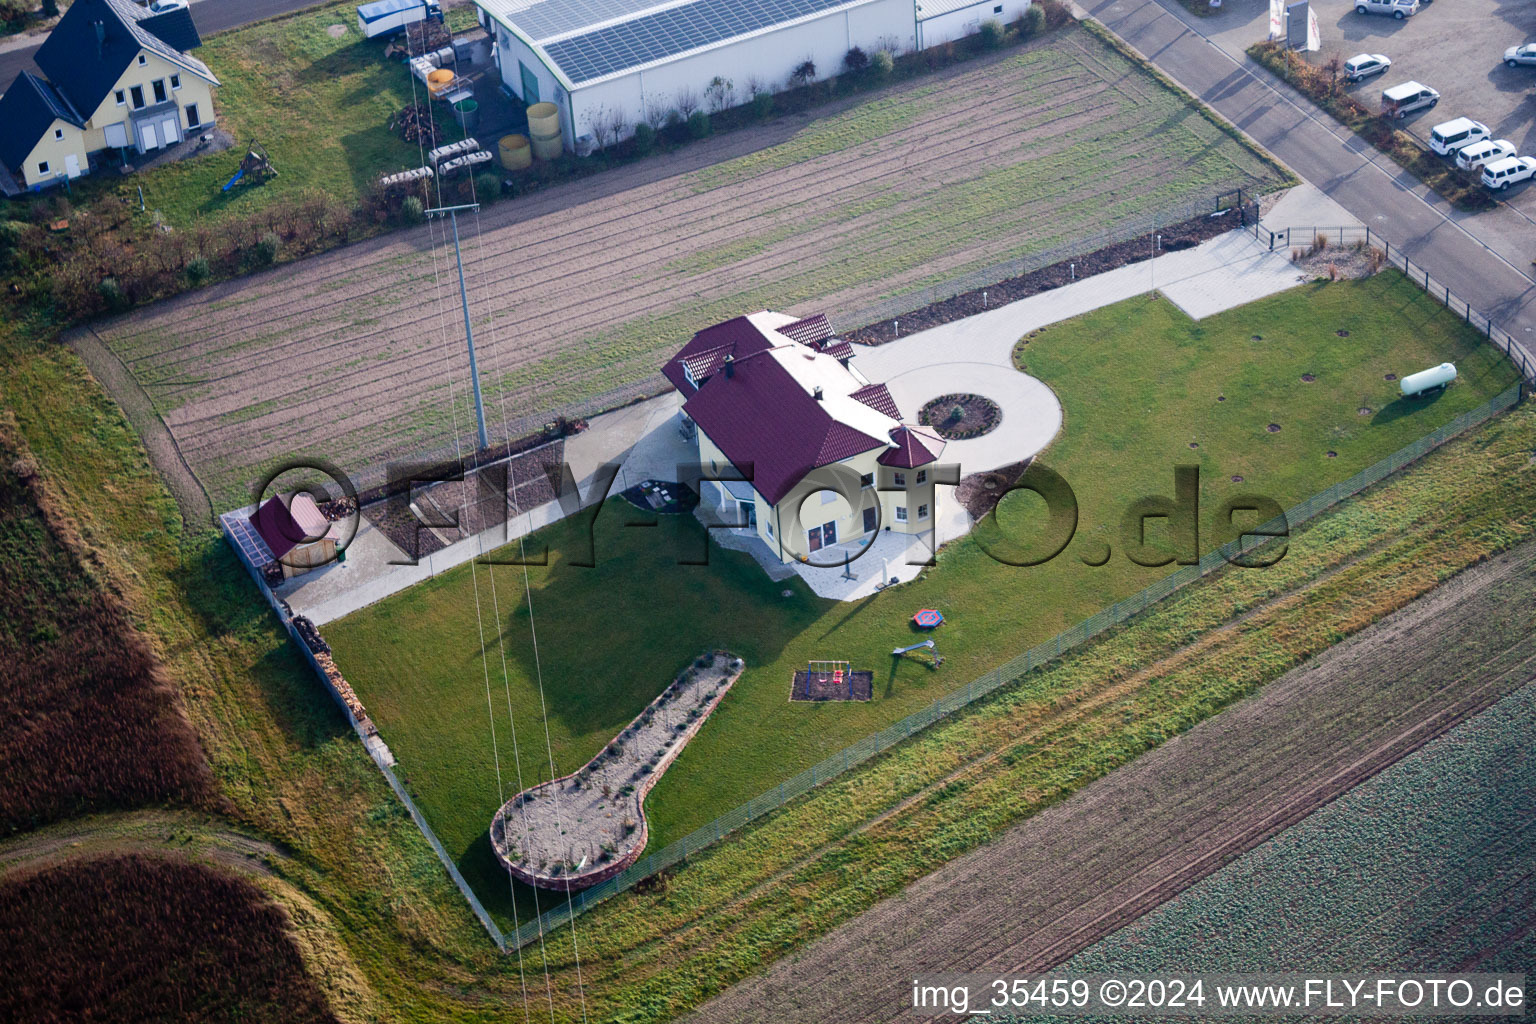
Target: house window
900, 479
770, 527
143, 61
42, 167
136, 93
120, 96
192, 119
175, 81
867, 480
159, 86
58, 133
998, 9
901, 513
922, 476
922, 511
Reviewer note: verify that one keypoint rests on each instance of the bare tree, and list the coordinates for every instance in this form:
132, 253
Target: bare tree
755, 86
617, 125
720, 93
687, 102
655, 111
597, 123
1332, 68
804, 73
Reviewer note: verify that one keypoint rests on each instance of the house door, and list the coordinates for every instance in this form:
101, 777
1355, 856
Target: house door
72, 166
814, 534
530, 85
149, 138
871, 519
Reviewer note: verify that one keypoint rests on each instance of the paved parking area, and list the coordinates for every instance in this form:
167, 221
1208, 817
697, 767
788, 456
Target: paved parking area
1456, 47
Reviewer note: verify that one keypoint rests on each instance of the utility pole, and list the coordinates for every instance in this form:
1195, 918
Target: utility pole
469, 334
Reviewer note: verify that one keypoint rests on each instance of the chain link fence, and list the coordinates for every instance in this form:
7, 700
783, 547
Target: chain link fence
1037, 656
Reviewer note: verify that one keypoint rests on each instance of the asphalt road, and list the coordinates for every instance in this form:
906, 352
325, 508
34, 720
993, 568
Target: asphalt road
211, 16
1485, 258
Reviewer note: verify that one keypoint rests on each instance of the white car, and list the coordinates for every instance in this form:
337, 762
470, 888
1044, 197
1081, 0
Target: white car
1504, 173
1399, 9
1470, 158
1363, 65
1450, 136
162, 6
1517, 55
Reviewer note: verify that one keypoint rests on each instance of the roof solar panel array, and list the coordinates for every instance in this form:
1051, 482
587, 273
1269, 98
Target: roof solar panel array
550, 18
252, 548
670, 32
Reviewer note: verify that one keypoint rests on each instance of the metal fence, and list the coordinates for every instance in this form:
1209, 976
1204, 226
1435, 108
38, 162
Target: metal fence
1306, 238
1212, 203
1009, 672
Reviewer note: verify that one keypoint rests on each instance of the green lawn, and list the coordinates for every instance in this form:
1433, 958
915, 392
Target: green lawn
1138, 381
320, 106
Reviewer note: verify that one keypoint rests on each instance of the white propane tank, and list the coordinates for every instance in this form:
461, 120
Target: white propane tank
1425, 380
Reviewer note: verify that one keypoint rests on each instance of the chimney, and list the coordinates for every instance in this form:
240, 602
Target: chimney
817, 394
730, 365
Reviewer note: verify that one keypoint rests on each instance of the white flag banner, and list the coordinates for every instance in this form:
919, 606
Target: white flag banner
1276, 19
1314, 37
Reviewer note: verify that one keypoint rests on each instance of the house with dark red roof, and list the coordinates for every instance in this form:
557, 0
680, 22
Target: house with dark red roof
810, 455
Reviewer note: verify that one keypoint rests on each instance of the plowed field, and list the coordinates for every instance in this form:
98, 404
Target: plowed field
581, 289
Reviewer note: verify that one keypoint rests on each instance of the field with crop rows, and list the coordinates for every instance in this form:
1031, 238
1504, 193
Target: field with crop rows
583, 288
1427, 867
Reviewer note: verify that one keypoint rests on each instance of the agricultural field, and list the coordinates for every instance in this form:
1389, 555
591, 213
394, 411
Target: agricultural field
1424, 868
92, 722
420, 659
583, 288
138, 938
1177, 814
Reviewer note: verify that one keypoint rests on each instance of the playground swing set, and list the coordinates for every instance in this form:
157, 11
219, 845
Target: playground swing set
255, 168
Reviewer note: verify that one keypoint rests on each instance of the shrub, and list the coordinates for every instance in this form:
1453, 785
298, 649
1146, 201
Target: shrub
698, 124
762, 106
112, 293
856, 61
645, 138
411, 210
1032, 21
264, 252
487, 187
198, 271
882, 64
991, 33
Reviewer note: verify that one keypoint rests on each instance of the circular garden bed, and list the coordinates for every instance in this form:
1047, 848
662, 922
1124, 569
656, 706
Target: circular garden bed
956, 417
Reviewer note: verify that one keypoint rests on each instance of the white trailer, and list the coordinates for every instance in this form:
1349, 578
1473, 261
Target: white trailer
386, 17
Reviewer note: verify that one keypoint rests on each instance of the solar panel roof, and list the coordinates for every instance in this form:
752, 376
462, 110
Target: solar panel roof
666, 33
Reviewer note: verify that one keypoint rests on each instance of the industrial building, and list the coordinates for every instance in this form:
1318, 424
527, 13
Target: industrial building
612, 62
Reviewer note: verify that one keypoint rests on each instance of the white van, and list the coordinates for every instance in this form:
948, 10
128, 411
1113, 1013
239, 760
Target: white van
1402, 100
1474, 155
1501, 174
1447, 138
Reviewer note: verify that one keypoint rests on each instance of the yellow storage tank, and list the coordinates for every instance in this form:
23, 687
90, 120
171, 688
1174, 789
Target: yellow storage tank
543, 119
515, 154
439, 80
547, 148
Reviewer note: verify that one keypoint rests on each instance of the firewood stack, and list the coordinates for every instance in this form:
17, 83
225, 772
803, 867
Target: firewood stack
414, 123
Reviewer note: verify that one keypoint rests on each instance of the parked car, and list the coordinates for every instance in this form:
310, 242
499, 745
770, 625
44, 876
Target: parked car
1399, 9
1503, 173
1363, 65
1449, 136
1518, 55
1470, 158
1402, 100
162, 6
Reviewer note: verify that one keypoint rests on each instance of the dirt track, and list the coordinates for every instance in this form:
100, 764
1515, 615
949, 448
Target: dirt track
1076, 872
581, 288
